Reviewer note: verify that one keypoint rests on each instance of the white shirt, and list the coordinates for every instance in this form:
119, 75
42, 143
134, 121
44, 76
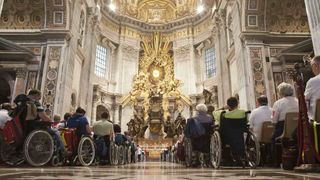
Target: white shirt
4, 117
257, 117
284, 106
312, 93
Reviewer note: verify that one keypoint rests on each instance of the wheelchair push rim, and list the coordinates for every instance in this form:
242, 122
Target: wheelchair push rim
38, 148
188, 151
113, 152
252, 150
121, 157
86, 151
215, 150
129, 155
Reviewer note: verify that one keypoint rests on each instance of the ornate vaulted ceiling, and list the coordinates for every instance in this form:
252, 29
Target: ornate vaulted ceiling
159, 11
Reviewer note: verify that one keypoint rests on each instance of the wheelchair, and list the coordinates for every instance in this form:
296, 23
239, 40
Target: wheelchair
220, 139
79, 150
36, 148
128, 154
113, 153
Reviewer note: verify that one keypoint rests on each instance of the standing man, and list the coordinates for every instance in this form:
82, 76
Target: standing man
260, 115
312, 92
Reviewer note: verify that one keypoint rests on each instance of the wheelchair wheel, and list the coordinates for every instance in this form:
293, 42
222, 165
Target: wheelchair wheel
86, 151
113, 153
121, 154
10, 155
38, 148
129, 155
252, 150
215, 150
188, 151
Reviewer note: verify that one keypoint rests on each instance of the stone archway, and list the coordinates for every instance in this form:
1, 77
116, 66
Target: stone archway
5, 91
100, 110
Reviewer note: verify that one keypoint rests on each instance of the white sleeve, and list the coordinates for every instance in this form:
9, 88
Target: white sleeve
275, 112
251, 119
308, 90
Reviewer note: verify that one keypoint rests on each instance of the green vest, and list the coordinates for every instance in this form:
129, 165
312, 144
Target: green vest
235, 114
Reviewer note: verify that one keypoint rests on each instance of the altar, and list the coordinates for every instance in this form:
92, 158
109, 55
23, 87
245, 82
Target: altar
154, 148
156, 100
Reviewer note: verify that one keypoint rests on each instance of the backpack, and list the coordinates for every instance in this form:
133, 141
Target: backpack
194, 128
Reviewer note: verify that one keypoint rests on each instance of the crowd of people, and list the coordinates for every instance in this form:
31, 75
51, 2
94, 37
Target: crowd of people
276, 115
198, 128
103, 131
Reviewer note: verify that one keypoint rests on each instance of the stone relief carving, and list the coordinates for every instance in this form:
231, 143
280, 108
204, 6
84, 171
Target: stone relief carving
51, 78
31, 84
182, 53
157, 11
129, 52
257, 71
23, 14
82, 25
21, 73
287, 16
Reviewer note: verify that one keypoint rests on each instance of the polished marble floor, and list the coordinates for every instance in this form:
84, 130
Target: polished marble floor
147, 171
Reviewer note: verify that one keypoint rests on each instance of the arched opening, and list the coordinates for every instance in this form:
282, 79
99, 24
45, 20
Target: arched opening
5, 91
100, 110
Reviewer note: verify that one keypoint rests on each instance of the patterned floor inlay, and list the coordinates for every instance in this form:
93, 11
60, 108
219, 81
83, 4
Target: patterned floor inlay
147, 171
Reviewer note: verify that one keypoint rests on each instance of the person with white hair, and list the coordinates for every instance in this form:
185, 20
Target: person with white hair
287, 103
200, 143
312, 93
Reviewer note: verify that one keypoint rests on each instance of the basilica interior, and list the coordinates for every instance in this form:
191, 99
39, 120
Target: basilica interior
149, 63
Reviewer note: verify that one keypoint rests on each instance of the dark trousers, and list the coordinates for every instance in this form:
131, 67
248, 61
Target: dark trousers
276, 149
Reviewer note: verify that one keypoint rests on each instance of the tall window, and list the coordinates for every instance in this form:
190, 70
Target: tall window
210, 58
101, 61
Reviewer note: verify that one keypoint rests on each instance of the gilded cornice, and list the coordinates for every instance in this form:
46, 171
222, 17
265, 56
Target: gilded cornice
146, 27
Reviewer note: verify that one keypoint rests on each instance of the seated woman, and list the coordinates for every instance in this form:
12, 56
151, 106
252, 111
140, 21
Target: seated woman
287, 103
200, 143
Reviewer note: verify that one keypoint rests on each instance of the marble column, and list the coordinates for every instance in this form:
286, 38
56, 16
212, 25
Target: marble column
1, 5
20, 83
95, 100
313, 11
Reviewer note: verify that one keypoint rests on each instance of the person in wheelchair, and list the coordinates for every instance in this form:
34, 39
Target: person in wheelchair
36, 117
202, 142
103, 133
120, 139
4, 114
79, 122
233, 124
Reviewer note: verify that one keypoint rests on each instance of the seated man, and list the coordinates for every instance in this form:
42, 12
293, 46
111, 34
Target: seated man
312, 93
232, 126
103, 129
80, 122
36, 117
259, 116
120, 139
